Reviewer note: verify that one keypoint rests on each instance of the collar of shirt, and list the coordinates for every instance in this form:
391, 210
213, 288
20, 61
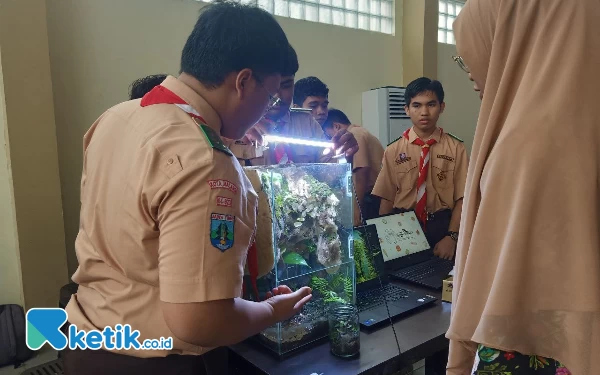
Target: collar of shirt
195, 100
283, 121
437, 135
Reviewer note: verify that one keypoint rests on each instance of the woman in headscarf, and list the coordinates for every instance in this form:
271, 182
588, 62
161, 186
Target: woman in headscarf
527, 285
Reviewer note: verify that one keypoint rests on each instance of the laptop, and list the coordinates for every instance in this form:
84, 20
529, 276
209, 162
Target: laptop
407, 254
375, 295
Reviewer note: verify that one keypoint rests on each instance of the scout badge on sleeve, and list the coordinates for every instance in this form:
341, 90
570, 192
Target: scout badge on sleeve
221, 231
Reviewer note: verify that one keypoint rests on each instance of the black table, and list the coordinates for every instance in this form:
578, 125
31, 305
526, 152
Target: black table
421, 335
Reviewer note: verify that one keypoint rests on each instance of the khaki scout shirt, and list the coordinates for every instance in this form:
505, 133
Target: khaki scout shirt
293, 124
164, 217
397, 181
369, 155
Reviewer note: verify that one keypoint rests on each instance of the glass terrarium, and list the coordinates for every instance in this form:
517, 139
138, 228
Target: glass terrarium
305, 219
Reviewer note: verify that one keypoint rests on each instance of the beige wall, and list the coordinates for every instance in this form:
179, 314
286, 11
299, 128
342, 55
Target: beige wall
349, 61
98, 47
462, 103
28, 126
11, 290
419, 33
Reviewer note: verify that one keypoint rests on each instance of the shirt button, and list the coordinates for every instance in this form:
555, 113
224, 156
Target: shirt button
170, 161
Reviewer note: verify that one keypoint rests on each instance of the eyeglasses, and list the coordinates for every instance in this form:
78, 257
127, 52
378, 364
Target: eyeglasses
273, 100
461, 63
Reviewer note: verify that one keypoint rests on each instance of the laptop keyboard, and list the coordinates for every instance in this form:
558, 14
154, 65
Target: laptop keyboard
425, 269
372, 298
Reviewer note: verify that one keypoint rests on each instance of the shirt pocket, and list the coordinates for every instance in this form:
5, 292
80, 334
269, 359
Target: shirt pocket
406, 174
442, 173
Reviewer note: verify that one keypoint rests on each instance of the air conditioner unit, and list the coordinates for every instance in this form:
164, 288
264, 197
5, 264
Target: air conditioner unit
383, 113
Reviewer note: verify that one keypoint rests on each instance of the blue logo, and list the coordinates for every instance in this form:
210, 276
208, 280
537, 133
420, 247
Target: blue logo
43, 326
221, 231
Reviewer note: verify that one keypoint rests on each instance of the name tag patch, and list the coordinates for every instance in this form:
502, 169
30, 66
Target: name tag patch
222, 231
224, 201
223, 184
445, 157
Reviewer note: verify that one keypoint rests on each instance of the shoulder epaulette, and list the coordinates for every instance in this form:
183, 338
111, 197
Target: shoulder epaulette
395, 140
455, 137
214, 140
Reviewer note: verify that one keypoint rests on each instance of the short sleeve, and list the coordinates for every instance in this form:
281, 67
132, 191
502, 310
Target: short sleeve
361, 158
385, 186
460, 172
206, 217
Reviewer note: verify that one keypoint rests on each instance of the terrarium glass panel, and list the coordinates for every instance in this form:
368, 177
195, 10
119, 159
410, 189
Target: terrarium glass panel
305, 219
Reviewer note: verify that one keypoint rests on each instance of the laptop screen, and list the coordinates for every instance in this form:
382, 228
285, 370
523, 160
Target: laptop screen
368, 258
400, 235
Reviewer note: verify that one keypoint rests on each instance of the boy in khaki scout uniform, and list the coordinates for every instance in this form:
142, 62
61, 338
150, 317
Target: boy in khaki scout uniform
425, 170
167, 214
311, 93
366, 164
284, 121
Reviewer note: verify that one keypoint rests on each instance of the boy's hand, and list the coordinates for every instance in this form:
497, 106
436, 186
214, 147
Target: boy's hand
445, 248
347, 142
286, 303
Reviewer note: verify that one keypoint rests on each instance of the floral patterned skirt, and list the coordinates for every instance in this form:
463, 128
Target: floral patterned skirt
497, 362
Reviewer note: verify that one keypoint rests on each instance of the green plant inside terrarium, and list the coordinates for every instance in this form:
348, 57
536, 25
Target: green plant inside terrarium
344, 331
338, 289
305, 219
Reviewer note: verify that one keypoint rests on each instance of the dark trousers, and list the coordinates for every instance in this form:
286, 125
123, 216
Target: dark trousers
437, 226
102, 362
370, 209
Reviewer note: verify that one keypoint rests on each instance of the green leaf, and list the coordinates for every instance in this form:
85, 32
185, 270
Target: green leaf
294, 258
213, 234
230, 236
488, 354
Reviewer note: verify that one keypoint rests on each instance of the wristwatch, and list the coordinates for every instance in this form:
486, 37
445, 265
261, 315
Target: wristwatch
453, 235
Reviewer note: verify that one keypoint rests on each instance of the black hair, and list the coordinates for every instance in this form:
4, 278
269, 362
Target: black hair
229, 37
140, 87
421, 85
291, 62
309, 86
335, 115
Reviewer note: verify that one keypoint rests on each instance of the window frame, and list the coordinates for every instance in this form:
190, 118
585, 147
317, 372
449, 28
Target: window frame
353, 15
445, 33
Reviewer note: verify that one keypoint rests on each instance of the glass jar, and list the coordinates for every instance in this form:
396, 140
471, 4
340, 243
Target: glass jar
344, 330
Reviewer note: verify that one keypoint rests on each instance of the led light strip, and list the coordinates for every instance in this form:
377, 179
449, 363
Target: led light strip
297, 141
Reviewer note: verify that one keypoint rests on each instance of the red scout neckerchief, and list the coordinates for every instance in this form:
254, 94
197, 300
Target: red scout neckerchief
282, 154
162, 95
282, 151
421, 207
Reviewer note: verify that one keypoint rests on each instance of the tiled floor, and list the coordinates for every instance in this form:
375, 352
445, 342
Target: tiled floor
44, 355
